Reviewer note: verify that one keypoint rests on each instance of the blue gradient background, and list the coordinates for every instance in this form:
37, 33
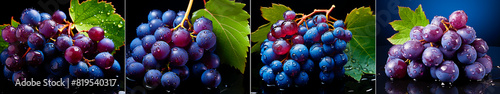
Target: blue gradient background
484, 16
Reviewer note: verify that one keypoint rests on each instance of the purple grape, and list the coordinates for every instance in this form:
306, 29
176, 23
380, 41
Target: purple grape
14, 62
396, 52
178, 56
451, 41
297, 39
170, 81
163, 34
23, 31
104, 60
73, 54
195, 52
412, 49
211, 60
437, 22
289, 27
447, 72
106, 45
347, 35
138, 53
198, 69
85, 43
211, 78
433, 72
34, 58
36, 41
480, 45
417, 70
468, 34
9, 34
458, 19
181, 38
202, 24
63, 42
289, 15
277, 32
486, 62
152, 78
7, 73
59, 16
281, 47
432, 56
270, 37
48, 28
96, 33
396, 68
135, 71
206, 39
416, 33
30, 16
154, 24
160, 50
432, 33
467, 54
475, 71
147, 42
181, 71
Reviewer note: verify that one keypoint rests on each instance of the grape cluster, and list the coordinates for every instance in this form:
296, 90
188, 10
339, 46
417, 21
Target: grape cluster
42, 47
291, 52
161, 54
442, 50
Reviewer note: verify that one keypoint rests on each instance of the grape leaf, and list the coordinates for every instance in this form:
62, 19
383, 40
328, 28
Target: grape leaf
94, 13
271, 14
230, 25
361, 48
3, 43
409, 19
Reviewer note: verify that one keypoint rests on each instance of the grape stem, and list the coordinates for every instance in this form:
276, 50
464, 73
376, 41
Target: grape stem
318, 11
186, 15
88, 61
29, 48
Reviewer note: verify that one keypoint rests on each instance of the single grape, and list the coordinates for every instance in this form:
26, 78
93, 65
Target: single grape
160, 50
437, 22
277, 32
85, 43
289, 15
432, 56
45, 16
458, 19
326, 77
468, 34
417, 69
412, 49
170, 81
168, 17
340, 59
326, 64
396, 68
447, 71
271, 37
163, 34
181, 71
79, 70
268, 76
338, 23
347, 35
135, 71
36, 41
178, 56
321, 18
95, 72
202, 24
58, 66
34, 58
316, 52
486, 62
19, 76
150, 62
59, 16
268, 56
49, 49
3, 56
7, 73
211, 60
48, 28
96, 33
451, 41
433, 72
311, 36
302, 79
340, 45
277, 66
282, 80
329, 48
181, 13
136, 42
281, 47
211, 78
63, 42
338, 32
178, 21
432, 33
143, 30
9, 34
73, 54
206, 39
138, 53
480, 45
298, 39
152, 78
299, 52
154, 24
104, 60
266, 45
475, 71
308, 66
147, 42
396, 52
115, 69
181, 38
198, 69
154, 14
14, 62
416, 33
467, 54
106, 45
322, 27
328, 38
30, 16
302, 30
23, 31
291, 68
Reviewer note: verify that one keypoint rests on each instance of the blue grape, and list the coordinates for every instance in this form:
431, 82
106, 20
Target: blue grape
326, 77
340, 45
198, 69
202, 24
451, 41
310, 23
468, 34
79, 70
45, 16
211, 78
182, 72
276, 65
458, 19
266, 45
136, 42
19, 76
154, 14
268, 56
326, 64
143, 30
395, 68
9, 34
152, 78
163, 34
338, 23
106, 45
340, 59
268, 76
211, 60
299, 53
49, 49
3, 56
135, 71
129, 61
417, 70
328, 38
115, 69
302, 30
291, 68
339, 72
311, 36
432, 33
34, 58
181, 13
63, 42
437, 22
154, 25
206, 39
178, 19
138, 53
23, 31
447, 71
95, 72
329, 48
308, 66
322, 28
7, 73
283, 81
416, 33
160, 50
412, 49
150, 62
467, 54
433, 72
147, 42
36, 41
30, 16
475, 71
58, 66
321, 18
432, 56
181, 38
168, 17
178, 56
316, 52
338, 32
302, 79
47, 28
170, 81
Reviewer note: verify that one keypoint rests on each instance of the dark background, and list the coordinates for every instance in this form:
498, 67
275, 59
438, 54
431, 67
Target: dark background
342, 8
481, 16
137, 12
14, 8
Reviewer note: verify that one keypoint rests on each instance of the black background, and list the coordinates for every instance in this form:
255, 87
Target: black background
342, 8
14, 8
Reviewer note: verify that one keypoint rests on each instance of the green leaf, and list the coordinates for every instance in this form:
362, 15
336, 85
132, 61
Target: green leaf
3, 43
13, 22
271, 14
361, 48
409, 19
94, 13
230, 25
